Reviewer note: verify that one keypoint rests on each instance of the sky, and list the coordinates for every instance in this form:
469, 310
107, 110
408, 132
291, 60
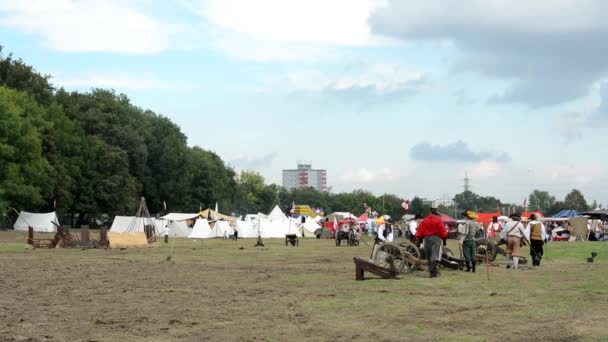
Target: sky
389, 96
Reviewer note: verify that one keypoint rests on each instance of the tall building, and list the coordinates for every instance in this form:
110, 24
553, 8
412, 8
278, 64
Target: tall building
305, 176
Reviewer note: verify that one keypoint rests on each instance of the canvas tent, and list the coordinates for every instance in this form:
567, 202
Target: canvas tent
40, 222
578, 227
208, 213
179, 229
308, 228
129, 231
123, 223
276, 214
247, 229
201, 230
179, 217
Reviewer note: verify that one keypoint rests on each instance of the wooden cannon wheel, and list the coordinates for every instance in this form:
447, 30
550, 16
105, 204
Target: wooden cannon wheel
390, 252
412, 256
486, 246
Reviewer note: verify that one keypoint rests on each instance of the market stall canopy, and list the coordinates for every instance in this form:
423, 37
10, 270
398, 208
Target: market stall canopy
597, 214
447, 219
567, 213
363, 217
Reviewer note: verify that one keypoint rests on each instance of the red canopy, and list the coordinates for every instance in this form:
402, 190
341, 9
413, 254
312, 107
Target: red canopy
363, 217
487, 217
448, 220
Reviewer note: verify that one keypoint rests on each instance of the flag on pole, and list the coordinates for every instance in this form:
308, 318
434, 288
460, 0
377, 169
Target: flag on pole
525, 201
406, 204
215, 215
293, 208
55, 204
335, 224
164, 205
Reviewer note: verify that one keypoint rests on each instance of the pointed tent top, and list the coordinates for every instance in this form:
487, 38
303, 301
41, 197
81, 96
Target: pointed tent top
276, 214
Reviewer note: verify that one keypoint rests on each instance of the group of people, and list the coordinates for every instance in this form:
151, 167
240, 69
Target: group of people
432, 233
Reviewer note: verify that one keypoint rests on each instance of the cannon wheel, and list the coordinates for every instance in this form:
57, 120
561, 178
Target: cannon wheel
491, 248
410, 248
390, 251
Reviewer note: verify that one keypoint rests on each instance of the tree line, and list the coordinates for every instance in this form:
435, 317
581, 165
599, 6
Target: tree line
95, 153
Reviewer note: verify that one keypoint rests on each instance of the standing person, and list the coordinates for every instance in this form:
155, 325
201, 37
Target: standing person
413, 227
432, 231
467, 240
513, 233
494, 228
166, 233
537, 235
384, 234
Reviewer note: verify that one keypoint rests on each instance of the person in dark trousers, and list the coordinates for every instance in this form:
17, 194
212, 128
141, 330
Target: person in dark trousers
537, 235
432, 232
467, 240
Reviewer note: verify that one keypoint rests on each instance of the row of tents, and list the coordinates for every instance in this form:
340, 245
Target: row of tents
205, 224
211, 224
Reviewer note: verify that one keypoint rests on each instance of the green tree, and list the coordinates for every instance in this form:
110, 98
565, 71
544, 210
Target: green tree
540, 201
417, 207
23, 169
575, 200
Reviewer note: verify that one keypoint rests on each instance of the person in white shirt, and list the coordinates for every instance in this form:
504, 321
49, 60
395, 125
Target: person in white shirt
513, 234
413, 227
494, 228
166, 232
384, 235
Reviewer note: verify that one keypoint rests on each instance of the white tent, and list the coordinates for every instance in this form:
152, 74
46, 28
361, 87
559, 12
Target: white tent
131, 224
308, 228
40, 222
222, 229
179, 217
247, 229
179, 229
201, 230
276, 214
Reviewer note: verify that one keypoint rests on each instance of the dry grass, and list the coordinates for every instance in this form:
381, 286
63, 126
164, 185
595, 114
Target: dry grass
222, 292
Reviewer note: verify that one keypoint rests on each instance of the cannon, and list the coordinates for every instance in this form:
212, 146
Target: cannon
407, 257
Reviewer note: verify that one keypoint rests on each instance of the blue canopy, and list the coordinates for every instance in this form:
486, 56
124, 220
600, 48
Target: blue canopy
567, 213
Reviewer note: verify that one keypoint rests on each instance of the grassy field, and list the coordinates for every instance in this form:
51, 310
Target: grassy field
227, 291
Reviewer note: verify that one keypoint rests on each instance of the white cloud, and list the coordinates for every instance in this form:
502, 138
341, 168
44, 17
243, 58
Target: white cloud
117, 80
287, 30
364, 175
337, 22
88, 25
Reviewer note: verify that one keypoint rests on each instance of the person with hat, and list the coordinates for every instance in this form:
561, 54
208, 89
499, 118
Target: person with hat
467, 240
537, 235
432, 231
513, 233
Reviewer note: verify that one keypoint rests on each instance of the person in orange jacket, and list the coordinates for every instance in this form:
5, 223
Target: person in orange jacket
432, 232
